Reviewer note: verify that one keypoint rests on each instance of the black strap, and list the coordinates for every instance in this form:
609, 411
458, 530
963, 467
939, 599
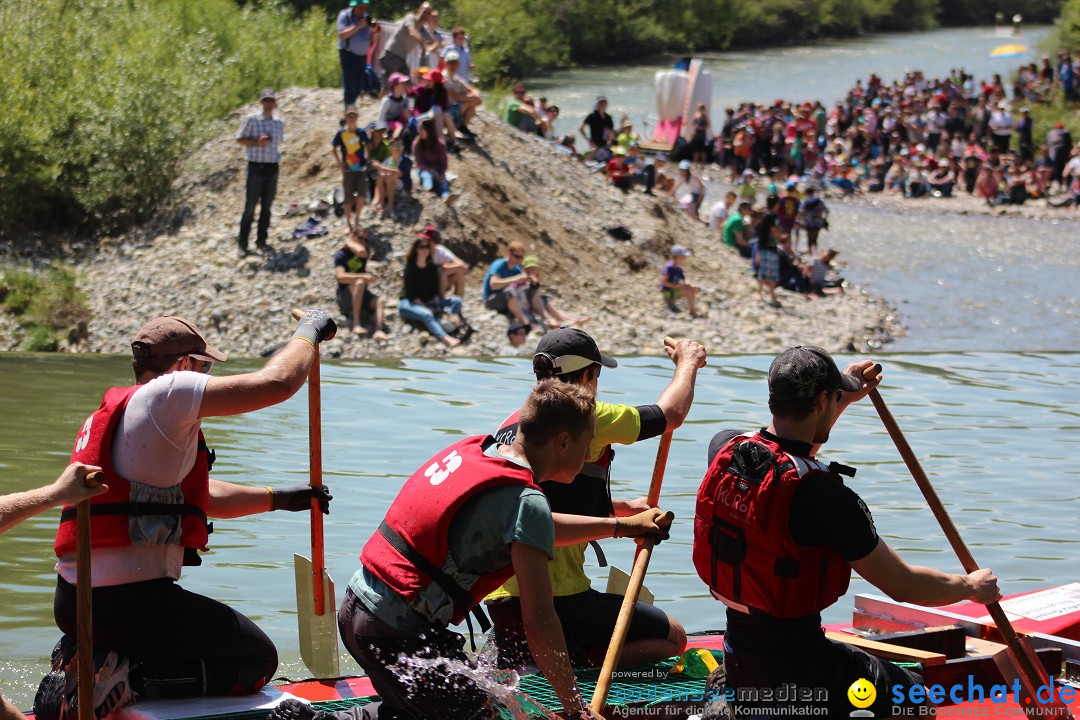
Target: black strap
727, 542
137, 509
464, 602
841, 469
601, 558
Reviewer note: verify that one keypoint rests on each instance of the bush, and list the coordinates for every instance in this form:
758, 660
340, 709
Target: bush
103, 99
47, 304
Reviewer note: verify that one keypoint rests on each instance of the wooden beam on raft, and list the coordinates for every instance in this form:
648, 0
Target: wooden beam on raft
887, 651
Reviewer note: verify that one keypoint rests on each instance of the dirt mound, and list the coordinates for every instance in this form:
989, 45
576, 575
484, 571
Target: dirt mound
509, 186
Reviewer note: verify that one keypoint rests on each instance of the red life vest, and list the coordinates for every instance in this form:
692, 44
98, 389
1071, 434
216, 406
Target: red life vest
113, 512
588, 494
408, 550
743, 548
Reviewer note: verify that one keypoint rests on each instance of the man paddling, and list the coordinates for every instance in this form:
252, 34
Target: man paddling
777, 534
468, 519
72, 487
588, 616
155, 639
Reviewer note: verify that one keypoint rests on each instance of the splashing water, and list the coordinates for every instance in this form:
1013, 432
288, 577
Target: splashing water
502, 686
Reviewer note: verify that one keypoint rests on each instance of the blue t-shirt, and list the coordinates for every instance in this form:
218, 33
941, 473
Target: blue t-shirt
352, 144
359, 43
673, 274
500, 268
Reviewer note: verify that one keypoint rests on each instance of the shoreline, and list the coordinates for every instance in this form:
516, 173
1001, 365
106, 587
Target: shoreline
510, 186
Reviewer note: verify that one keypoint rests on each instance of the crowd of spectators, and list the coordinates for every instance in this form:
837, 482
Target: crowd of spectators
914, 137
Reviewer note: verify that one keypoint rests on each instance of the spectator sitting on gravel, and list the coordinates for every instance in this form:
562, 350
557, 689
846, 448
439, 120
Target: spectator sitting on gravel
641, 173
421, 298
354, 294
464, 98
818, 273
350, 150
452, 269
378, 150
429, 153
430, 99
540, 306
520, 113
719, 212
392, 170
688, 190
737, 229
504, 284
394, 108
673, 283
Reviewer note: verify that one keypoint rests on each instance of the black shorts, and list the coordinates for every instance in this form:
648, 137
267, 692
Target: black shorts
588, 621
344, 300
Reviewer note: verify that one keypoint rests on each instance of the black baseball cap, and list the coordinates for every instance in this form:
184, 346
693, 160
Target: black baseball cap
804, 371
571, 349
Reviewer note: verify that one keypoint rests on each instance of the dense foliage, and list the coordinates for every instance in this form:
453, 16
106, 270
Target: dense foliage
104, 98
1068, 26
47, 304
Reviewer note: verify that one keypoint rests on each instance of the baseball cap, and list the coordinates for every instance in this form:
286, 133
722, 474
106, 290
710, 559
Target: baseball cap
600, 99
354, 3
530, 261
379, 125
396, 78
267, 94
169, 335
434, 76
452, 56
806, 370
684, 164
680, 251
430, 232
351, 110
571, 349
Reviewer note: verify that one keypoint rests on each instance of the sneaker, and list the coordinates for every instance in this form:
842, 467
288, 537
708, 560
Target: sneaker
54, 687
112, 688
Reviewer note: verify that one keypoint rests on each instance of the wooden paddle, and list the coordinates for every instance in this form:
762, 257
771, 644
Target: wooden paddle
1031, 672
84, 605
637, 578
315, 604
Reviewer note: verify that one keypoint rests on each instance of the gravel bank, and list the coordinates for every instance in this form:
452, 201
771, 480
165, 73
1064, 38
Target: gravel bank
509, 186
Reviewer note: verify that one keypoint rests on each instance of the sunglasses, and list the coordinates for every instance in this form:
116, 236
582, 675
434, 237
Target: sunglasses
206, 366
517, 256
424, 246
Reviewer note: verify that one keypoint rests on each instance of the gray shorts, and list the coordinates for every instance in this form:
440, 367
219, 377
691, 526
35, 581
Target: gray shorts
391, 64
500, 300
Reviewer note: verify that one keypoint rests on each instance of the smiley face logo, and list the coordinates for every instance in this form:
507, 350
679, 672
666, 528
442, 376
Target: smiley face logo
862, 693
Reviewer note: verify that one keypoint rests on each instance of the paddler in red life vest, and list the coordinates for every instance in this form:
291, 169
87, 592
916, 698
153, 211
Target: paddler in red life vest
588, 616
777, 534
153, 638
468, 519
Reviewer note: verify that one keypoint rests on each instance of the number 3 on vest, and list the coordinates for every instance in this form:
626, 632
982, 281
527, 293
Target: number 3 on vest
84, 435
436, 473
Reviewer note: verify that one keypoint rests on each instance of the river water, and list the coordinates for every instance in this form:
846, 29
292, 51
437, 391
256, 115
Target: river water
959, 282
997, 431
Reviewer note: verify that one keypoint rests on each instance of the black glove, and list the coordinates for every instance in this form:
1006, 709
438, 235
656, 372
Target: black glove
297, 498
315, 326
654, 523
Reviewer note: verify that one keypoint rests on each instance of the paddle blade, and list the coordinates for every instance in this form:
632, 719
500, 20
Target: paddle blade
318, 633
618, 581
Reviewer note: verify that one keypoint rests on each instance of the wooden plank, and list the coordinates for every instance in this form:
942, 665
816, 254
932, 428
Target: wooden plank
982, 669
887, 651
949, 640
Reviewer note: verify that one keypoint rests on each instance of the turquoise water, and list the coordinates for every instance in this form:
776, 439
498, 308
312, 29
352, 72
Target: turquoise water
998, 433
